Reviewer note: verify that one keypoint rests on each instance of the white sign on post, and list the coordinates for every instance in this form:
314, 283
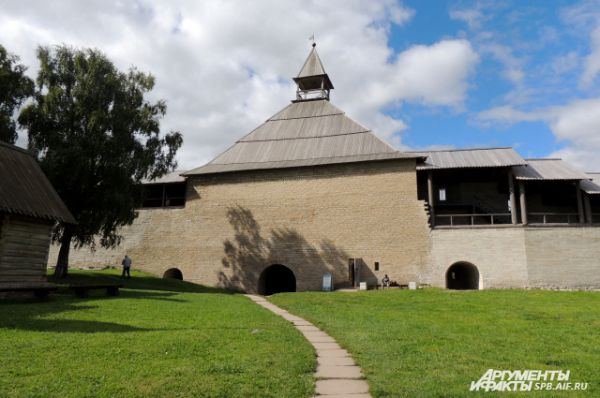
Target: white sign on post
327, 282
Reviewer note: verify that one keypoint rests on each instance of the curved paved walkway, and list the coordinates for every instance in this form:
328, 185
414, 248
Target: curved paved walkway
337, 375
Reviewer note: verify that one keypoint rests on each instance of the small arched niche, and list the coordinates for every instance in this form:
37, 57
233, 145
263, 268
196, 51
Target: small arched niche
173, 273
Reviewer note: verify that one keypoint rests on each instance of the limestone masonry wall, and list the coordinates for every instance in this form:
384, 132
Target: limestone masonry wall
310, 219
498, 253
509, 257
563, 257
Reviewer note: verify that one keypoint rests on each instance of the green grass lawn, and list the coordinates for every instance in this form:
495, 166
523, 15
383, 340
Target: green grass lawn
433, 343
159, 338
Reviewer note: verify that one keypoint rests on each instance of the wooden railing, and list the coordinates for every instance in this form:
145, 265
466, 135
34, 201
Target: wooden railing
472, 219
535, 218
553, 218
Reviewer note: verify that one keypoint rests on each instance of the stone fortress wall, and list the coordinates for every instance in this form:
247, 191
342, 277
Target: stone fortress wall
312, 220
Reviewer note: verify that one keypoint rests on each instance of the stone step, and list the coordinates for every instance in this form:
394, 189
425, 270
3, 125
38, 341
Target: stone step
327, 346
333, 353
341, 386
344, 396
336, 361
320, 339
338, 372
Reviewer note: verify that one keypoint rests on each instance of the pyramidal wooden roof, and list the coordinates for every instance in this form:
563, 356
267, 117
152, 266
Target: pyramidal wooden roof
312, 66
305, 133
312, 75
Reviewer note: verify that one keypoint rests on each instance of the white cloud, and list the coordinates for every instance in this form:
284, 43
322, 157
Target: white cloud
513, 66
564, 63
401, 15
582, 18
585, 159
592, 61
436, 74
577, 124
224, 66
506, 115
471, 16
489, 43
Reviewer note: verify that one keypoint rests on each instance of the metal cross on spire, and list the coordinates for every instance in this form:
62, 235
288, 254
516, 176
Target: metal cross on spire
312, 38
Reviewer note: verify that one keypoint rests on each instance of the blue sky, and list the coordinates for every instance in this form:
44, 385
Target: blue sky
420, 74
539, 39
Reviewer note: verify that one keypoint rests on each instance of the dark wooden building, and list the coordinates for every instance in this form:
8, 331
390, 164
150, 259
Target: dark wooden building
29, 208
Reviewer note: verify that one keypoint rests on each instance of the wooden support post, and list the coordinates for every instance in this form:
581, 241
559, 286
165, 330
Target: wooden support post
523, 202
430, 197
588, 208
579, 202
512, 199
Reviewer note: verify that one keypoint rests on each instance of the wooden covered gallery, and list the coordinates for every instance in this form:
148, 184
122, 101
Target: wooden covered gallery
29, 208
496, 186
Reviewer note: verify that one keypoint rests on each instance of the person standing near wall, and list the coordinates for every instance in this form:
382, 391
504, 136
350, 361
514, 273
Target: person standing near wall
126, 263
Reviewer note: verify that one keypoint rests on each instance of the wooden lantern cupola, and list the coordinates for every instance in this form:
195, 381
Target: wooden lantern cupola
312, 81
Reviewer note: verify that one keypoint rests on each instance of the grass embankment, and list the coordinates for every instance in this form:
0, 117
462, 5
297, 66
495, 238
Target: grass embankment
433, 343
159, 338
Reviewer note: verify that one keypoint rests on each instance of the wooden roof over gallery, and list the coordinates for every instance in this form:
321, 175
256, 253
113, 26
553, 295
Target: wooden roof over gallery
469, 158
591, 187
549, 170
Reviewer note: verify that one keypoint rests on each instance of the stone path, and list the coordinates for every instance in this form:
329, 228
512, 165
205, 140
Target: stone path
337, 375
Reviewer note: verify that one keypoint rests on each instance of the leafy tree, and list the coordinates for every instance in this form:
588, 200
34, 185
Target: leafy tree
96, 137
15, 88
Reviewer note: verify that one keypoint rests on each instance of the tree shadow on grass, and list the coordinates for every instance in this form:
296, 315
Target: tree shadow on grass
31, 314
139, 281
73, 326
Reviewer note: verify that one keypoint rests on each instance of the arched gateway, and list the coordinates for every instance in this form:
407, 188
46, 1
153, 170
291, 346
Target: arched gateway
462, 276
276, 278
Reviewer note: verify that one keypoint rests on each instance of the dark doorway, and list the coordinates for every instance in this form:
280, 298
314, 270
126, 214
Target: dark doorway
276, 279
354, 271
462, 276
173, 273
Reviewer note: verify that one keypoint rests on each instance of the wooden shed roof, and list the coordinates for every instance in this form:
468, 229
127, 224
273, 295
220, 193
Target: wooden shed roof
305, 133
469, 158
548, 169
25, 189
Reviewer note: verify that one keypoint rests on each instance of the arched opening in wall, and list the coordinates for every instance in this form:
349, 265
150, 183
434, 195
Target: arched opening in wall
276, 278
462, 276
173, 273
